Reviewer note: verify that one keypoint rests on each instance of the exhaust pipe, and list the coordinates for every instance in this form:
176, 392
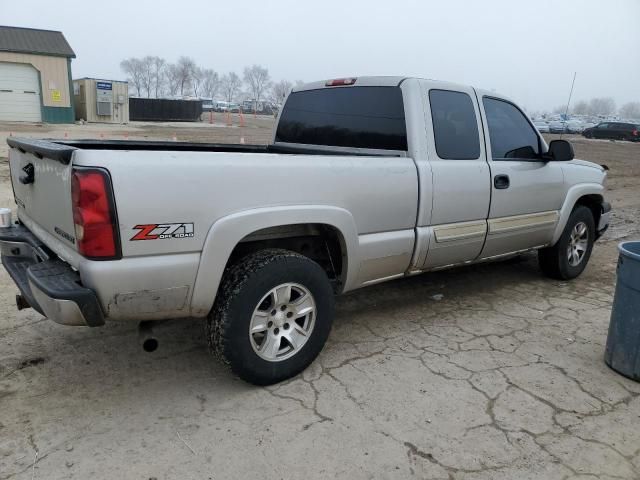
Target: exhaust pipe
147, 339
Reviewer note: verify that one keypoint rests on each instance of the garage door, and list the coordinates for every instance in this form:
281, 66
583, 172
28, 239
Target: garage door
19, 93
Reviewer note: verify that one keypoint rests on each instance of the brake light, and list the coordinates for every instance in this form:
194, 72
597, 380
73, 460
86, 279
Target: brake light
339, 82
94, 214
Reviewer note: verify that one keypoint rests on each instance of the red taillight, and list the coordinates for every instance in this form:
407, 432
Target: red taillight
634, 132
94, 214
339, 82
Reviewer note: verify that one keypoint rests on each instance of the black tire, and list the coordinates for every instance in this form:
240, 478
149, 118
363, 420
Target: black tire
554, 261
243, 286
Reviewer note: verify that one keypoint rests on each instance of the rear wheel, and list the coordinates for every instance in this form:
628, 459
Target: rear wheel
568, 258
272, 316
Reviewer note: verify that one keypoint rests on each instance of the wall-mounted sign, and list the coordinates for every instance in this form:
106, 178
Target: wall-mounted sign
104, 98
103, 85
56, 96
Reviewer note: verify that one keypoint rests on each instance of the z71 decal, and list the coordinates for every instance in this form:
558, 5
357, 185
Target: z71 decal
159, 231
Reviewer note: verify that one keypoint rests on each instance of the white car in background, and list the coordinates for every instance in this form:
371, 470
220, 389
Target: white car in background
541, 125
557, 126
575, 126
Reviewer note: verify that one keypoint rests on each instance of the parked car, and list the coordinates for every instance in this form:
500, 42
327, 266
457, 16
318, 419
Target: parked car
221, 106
558, 126
542, 126
574, 126
261, 107
207, 106
615, 131
356, 189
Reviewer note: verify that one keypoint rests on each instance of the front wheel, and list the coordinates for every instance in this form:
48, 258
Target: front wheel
272, 316
568, 258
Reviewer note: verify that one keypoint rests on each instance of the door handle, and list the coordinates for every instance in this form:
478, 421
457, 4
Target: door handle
501, 182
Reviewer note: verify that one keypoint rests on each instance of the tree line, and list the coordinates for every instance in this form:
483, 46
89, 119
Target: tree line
154, 77
603, 106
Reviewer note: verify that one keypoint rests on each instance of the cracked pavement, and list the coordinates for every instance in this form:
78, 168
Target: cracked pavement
485, 372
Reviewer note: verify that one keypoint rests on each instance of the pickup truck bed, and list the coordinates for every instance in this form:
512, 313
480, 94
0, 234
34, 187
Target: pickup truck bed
62, 150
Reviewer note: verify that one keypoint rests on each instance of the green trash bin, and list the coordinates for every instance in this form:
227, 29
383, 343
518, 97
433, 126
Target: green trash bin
623, 342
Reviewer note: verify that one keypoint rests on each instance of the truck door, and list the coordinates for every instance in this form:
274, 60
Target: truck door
527, 192
460, 191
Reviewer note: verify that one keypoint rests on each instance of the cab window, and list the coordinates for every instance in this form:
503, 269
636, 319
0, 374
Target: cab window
455, 126
512, 136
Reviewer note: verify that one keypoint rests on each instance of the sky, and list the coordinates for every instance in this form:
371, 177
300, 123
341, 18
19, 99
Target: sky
525, 49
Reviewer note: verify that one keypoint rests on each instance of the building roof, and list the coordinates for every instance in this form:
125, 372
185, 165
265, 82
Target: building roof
31, 40
99, 80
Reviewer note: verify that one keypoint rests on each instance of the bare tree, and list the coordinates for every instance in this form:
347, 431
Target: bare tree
280, 90
197, 77
257, 79
581, 108
172, 76
230, 86
134, 69
159, 65
147, 74
630, 110
602, 106
185, 68
210, 83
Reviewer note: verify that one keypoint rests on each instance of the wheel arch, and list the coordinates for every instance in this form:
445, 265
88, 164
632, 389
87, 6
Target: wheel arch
590, 195
229, 237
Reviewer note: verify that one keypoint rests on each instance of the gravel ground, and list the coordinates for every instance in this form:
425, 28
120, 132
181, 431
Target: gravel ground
485, 372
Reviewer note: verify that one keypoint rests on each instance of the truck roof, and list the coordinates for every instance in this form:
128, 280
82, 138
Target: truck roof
367, 81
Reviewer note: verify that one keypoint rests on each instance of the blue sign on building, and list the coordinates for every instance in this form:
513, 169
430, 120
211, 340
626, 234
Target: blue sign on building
103, 85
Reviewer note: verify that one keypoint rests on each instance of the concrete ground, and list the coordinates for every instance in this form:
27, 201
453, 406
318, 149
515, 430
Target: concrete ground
485, 372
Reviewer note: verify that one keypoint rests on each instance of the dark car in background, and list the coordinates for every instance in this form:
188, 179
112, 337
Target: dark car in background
614, 131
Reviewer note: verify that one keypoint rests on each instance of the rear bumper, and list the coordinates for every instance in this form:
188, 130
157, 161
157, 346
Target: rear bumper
605, 217
48, 284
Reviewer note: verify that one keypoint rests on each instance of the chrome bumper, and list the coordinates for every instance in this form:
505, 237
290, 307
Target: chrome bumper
48, 284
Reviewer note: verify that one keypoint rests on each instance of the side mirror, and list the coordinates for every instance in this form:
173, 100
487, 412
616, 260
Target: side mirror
560, 151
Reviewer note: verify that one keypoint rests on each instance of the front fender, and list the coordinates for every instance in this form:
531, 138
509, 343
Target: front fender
573, 195
227, 232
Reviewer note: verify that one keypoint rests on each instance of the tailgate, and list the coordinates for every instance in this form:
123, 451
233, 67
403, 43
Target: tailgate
41, 179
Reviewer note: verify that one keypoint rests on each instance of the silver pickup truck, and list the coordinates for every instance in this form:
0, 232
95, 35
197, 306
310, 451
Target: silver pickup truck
367, 179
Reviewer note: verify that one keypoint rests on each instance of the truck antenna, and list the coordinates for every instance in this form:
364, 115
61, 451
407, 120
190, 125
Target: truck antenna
566, 110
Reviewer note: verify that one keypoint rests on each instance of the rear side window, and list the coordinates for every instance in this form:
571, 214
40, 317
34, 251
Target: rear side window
358, 117
455, 126
511, 134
